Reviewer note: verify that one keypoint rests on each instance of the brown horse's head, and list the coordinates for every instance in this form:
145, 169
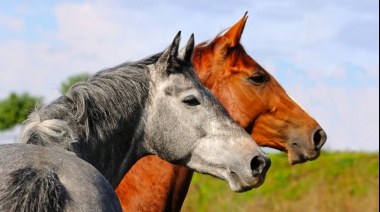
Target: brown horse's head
255, 99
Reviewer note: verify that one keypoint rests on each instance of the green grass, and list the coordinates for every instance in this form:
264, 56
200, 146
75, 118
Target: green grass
341, 181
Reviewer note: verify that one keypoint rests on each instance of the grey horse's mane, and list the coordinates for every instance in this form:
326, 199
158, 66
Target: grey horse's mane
93, 107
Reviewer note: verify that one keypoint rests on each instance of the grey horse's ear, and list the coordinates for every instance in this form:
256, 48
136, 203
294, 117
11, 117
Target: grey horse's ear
170, 54
186, 53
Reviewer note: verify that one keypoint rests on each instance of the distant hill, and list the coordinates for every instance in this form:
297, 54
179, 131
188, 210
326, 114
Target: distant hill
336, 181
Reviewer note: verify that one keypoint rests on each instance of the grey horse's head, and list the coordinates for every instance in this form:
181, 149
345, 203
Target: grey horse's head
187, 125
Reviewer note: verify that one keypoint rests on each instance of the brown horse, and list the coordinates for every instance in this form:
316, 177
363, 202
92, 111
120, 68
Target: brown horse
252, 97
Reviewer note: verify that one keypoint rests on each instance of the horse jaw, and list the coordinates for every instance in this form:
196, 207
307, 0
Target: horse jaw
243, 173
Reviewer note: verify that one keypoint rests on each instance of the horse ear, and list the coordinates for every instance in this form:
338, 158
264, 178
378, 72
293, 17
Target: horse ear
186, 53
170, 54
235, 32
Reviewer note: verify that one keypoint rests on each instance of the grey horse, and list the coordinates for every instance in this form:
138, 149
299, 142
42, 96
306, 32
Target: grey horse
36, 178
153, 106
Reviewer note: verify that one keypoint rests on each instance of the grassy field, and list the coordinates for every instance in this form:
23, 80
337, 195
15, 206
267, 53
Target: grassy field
341, 181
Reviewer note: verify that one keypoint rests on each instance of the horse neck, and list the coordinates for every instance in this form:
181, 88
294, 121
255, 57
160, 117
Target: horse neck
109, 137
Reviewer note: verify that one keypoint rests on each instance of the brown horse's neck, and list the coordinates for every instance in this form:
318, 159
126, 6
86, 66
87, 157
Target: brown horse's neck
144, 188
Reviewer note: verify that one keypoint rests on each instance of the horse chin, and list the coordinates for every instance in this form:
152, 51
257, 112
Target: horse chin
238, 184
297, 157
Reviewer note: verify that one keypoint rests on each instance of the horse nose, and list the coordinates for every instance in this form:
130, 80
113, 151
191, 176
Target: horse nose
260, 164
319, 138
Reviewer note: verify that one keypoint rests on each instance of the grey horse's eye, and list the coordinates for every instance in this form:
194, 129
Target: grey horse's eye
191, 101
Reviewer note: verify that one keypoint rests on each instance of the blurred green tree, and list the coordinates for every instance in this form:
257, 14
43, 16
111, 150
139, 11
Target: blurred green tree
15, 109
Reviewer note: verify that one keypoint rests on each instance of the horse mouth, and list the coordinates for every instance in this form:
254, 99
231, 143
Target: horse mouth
297, 157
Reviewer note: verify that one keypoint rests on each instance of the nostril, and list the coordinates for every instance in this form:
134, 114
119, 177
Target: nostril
255, 163
259, 163
319, 138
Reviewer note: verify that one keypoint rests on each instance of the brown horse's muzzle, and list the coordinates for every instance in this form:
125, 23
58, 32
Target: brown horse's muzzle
300, 151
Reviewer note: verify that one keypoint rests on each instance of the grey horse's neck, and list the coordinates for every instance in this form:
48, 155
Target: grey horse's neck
100, 120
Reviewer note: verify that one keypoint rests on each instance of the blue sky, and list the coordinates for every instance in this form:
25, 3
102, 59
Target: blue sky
323, 52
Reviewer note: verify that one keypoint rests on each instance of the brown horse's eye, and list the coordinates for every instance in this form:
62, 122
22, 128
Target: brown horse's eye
258, 79
191, 101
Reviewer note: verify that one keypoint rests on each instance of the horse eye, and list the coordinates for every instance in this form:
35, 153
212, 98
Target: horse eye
191, 101
258, 79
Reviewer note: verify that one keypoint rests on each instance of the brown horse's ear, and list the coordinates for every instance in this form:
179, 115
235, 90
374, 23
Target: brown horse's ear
186, 53
235, 32
221, 47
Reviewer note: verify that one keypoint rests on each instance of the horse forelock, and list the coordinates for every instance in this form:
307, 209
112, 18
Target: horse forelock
217, 56
212, 41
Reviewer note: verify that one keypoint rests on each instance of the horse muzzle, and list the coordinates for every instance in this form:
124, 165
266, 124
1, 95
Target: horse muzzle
298, 152
254, 178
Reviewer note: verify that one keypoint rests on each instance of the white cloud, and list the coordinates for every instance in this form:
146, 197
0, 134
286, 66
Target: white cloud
11, 23
349, 116
315, 35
